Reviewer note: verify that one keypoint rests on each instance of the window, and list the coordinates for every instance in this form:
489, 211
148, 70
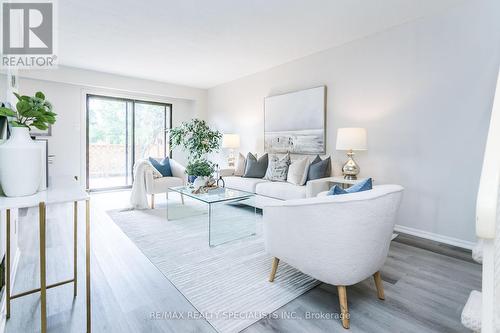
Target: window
120, 132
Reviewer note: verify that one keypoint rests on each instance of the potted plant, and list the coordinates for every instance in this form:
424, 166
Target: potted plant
199, 169
198, 139
20, 156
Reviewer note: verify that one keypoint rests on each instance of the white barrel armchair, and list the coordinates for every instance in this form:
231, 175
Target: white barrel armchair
156, 185
340, 240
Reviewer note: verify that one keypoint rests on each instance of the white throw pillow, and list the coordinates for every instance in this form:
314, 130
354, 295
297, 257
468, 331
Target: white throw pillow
297, 171
240, 165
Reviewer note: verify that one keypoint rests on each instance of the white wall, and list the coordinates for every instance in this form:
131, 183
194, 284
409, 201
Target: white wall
66, 88
424, 92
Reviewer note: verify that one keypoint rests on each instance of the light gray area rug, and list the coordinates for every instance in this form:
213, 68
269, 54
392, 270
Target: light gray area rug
228, 284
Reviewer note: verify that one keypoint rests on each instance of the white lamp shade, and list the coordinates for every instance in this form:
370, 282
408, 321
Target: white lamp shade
230, 141
351, 139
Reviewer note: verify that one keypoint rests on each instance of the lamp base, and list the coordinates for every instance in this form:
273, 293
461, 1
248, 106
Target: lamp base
350, 169
230, 159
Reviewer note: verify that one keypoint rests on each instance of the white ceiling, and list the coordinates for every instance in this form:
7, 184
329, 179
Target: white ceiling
203, 43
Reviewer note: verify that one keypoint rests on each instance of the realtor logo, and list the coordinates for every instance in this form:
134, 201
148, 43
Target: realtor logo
28, 34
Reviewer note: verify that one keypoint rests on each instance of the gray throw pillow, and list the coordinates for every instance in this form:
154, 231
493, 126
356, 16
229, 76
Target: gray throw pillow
319, 168
255, 168
277, 169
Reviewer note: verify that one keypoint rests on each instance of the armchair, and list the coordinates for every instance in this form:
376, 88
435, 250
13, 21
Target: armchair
340, 240
156, 185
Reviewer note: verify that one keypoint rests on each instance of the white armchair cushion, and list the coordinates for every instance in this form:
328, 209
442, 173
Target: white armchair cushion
161, 185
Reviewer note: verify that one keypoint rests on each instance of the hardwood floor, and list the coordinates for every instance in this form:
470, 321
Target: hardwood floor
424, 291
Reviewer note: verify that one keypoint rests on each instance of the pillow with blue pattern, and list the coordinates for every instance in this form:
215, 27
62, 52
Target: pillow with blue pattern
363, 185
162, 166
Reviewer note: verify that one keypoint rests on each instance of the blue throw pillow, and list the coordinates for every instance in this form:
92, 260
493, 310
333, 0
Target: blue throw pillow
335, 190
256, 168
363, 185
319, 168
163, 166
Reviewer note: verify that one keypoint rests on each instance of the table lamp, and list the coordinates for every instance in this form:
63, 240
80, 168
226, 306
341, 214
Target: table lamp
351, 139
231, 142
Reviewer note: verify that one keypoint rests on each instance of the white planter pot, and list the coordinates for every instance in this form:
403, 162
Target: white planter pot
20, 164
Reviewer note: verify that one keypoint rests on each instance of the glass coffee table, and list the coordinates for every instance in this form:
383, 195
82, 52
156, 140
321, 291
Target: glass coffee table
231, 213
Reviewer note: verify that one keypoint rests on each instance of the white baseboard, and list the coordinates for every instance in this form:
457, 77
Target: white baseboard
13, 271
435, 237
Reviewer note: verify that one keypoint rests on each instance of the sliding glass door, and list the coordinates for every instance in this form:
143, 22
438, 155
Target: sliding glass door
150, 135
120, 132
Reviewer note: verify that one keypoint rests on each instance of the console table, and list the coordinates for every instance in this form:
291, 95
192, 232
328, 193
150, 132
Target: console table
58, 194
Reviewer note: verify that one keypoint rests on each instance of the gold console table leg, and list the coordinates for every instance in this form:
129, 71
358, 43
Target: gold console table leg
75, 248
87, 261
7, 266
42, 209
43, 276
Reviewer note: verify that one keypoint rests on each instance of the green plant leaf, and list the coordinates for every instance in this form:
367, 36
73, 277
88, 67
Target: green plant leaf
33, 114
23, 106
196, 137
6, 112
15, 123
200, 167
40, 125
31, 111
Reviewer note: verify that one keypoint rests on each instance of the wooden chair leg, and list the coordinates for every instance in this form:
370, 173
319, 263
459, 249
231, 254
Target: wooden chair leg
379, 285
152, 201
274, 268
344, 310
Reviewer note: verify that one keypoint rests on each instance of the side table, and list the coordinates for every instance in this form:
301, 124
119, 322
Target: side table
66, 193
344, 183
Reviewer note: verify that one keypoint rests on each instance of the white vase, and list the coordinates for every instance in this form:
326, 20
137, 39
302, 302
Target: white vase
20, 164
199, 182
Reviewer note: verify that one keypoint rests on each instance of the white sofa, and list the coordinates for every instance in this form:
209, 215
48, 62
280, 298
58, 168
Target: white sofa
156, 185
269, 192
340, 240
